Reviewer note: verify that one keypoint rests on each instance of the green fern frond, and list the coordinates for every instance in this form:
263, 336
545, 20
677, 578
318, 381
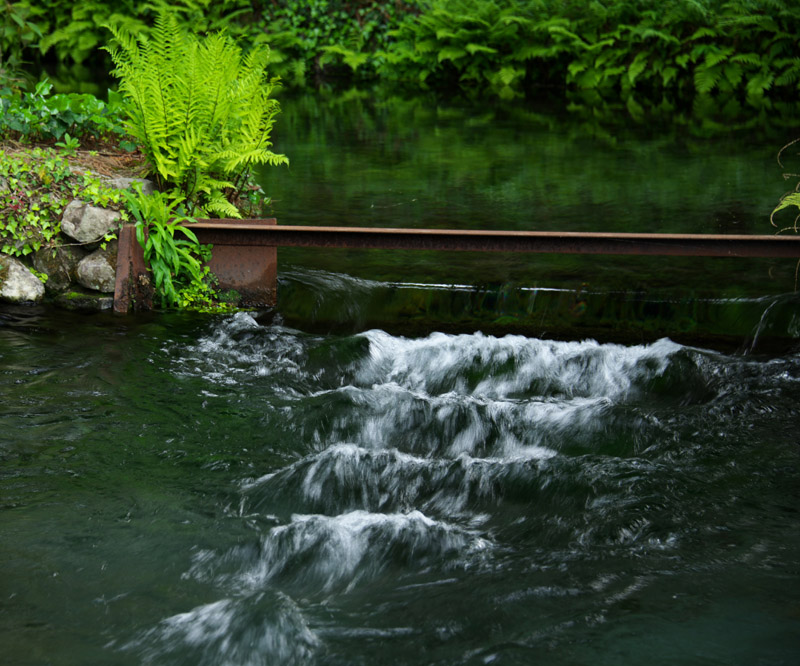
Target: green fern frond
194, 102
789, 75
717, 56
759, 83
747, 59
706, 79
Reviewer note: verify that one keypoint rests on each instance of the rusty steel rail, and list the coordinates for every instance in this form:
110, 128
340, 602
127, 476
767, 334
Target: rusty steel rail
245, 254
247, 233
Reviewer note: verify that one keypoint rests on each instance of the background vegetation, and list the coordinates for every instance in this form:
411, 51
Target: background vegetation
485, 47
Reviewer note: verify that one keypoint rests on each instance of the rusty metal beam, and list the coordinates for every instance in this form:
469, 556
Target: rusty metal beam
251, 269
132, 289
245, 259
247, 233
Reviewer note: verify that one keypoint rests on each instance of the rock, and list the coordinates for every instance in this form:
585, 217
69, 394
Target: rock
86, 223
17, 283
127, 184
98, 270
84, 301
60, 266
3, 184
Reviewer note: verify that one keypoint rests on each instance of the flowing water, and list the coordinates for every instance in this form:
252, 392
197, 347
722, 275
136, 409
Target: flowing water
254, 489
185, 491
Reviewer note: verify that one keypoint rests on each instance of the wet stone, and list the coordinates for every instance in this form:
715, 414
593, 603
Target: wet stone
60, 265
84, 301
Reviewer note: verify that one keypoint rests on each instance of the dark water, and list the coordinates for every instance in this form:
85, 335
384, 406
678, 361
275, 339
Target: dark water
360, 161
187, 491
305, 487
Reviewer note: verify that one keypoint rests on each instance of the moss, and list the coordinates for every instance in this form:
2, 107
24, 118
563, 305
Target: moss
88, 301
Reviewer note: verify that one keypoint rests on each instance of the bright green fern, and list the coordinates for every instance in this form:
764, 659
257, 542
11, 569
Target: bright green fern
200, 110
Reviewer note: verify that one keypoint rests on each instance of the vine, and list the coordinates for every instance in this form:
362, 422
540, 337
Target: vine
35, 188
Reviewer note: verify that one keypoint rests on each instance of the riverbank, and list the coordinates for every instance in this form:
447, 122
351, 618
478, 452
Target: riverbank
60, 214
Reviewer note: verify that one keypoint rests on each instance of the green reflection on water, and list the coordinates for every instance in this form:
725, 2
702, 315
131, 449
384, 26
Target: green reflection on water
588, 165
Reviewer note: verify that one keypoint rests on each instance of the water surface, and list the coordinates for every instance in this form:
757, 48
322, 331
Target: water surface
377, 472
181, 490
357, 160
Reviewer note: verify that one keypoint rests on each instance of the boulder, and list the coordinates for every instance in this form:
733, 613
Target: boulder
86, 223
60, 266
98, 270
84, 301
17, 283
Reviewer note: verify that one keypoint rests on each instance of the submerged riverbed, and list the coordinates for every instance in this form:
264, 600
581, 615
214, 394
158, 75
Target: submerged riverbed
180, 490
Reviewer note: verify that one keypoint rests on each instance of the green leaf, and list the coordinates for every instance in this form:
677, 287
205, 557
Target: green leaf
705, 79
451, 53
637, 67
759, 83
479, 48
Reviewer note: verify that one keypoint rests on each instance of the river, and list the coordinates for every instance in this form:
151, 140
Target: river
296, 486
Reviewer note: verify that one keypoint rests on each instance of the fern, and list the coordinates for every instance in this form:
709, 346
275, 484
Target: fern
201, 130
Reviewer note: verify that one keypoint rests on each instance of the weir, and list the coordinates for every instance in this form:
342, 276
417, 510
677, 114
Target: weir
245, 251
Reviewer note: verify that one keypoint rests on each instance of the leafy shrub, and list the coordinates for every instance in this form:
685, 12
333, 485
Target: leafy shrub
75, 31
789, 200
305, 37
172, 251
201, 112
309, 37
40, 116
17, 33
699, 46
35, 188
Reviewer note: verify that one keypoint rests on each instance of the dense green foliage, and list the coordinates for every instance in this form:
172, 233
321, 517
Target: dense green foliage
698, 45
40, 116
504, 47
17, 33
35, 188
331, 37
201, 112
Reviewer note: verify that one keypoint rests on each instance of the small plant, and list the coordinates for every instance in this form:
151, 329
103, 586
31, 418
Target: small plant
173, 253
788, 200
174, 261
68, 145
199, 109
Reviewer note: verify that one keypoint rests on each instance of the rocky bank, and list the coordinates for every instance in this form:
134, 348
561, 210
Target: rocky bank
80, 273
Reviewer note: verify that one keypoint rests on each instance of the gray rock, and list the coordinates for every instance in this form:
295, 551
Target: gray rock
3, 184
127, 184
98, 270
17, 283
60, 266
86, 223
84, 301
